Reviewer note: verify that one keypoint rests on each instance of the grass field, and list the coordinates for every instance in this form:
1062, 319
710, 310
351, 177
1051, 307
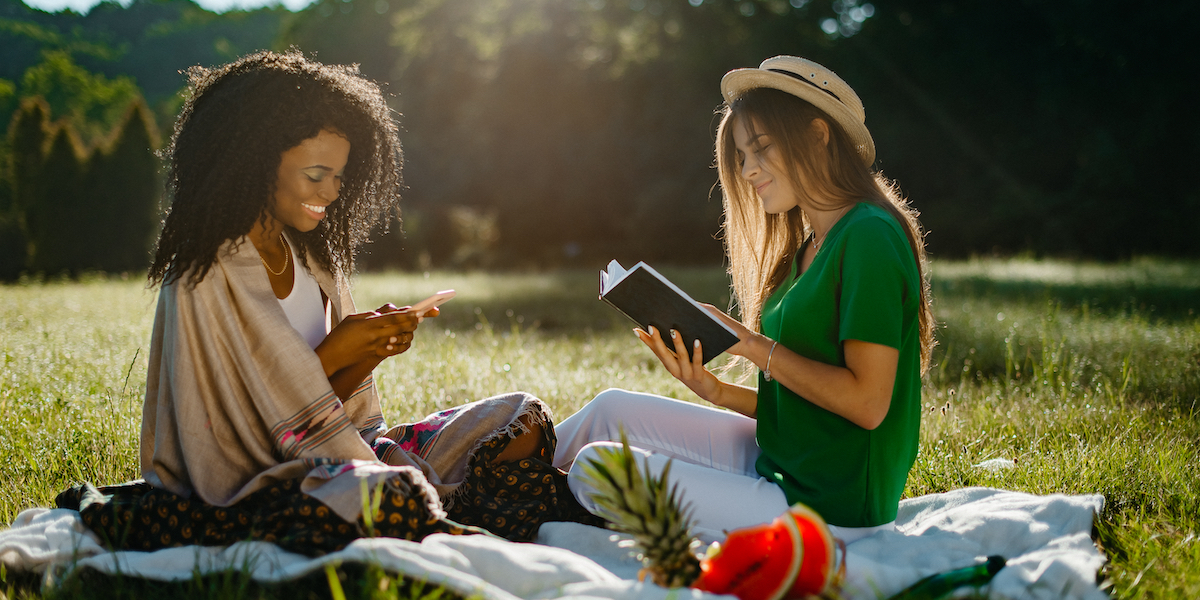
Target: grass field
1088, 376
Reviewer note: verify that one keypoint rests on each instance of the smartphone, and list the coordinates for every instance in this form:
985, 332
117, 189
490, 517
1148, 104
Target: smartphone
434, 301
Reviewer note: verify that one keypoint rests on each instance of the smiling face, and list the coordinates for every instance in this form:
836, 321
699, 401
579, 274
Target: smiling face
762, 166
308, 180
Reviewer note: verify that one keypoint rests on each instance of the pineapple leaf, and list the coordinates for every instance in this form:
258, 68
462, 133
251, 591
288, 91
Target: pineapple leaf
647, 508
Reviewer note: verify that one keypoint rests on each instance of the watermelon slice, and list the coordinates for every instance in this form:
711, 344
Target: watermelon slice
790, 557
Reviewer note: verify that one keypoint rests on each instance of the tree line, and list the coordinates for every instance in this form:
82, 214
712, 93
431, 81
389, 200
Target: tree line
544, 133
81, 95
73, 208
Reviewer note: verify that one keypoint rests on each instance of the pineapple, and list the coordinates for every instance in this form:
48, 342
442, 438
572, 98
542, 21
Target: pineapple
647, 509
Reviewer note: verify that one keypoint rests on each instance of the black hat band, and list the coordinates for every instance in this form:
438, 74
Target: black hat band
799, 77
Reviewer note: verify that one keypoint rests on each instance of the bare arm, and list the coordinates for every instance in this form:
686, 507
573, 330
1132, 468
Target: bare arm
345, 381
861, 392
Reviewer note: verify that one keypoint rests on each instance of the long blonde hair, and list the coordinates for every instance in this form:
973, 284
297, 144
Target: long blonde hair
761, 246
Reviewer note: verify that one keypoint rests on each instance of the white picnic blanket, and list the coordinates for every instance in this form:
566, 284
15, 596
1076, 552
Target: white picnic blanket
1045, 539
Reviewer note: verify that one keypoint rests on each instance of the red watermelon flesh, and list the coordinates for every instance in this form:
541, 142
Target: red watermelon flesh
817, 568
754, 563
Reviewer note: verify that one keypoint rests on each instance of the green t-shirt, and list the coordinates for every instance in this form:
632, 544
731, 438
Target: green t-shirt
863, 285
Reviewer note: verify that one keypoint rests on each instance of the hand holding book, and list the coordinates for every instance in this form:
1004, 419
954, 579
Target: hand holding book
678, 354
673, 355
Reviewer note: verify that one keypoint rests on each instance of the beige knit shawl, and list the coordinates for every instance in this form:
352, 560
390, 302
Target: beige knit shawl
236, 399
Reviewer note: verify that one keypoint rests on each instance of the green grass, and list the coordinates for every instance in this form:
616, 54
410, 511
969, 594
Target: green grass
1088, 376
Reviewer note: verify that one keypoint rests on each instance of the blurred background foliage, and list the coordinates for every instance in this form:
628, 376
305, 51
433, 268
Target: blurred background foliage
550, 133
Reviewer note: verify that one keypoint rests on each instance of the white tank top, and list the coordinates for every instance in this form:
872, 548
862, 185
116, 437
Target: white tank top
303, 305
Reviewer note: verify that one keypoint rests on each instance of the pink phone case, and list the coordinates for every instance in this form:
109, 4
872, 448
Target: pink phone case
433, 301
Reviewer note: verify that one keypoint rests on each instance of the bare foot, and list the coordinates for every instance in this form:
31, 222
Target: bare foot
525, 445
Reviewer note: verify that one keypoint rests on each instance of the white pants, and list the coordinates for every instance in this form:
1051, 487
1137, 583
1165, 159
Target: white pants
712, 451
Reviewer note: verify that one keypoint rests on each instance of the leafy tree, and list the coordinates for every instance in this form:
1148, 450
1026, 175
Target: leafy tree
80, 210
361, 29
27, 136
12, 239
12, 251
148, 41
8, 97
159, 38
124, 192
583, 127
58, 220
91, 103
1053, 127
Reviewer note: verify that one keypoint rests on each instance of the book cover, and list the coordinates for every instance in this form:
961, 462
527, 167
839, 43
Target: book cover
648, 298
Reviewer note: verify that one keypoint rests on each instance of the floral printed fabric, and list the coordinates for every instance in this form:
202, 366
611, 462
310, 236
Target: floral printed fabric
416, 438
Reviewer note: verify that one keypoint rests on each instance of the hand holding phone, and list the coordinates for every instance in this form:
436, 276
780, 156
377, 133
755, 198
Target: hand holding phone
434, 301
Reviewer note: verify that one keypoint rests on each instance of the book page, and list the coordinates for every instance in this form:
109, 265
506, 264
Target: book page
612, 277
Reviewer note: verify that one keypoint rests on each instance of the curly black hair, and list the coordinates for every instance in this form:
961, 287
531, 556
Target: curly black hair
224, 156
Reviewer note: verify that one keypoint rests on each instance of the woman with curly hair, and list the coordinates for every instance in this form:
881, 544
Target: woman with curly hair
827, 264
261, 418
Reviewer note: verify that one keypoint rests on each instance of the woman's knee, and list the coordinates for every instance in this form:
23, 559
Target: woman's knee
605, 409
612, 401
615, 405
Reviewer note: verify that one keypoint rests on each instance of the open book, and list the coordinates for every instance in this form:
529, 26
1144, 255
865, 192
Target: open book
648, 298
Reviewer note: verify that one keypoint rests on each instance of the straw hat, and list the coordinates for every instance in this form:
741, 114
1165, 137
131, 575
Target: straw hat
811, 82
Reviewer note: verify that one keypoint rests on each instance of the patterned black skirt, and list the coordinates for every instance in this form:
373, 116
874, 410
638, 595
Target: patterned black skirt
508, 499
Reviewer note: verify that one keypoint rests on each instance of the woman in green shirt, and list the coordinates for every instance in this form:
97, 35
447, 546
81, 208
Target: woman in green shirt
827, 267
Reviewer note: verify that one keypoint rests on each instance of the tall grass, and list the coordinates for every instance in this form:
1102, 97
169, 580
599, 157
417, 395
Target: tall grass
1087, 376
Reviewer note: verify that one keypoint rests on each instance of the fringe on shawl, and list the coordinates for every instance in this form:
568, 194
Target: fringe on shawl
539, 414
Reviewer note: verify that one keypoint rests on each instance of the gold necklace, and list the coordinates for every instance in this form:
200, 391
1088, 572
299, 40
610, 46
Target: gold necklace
817, 243
286, 257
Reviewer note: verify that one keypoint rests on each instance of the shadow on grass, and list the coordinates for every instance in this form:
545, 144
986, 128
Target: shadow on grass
1156, 289
1167, 301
